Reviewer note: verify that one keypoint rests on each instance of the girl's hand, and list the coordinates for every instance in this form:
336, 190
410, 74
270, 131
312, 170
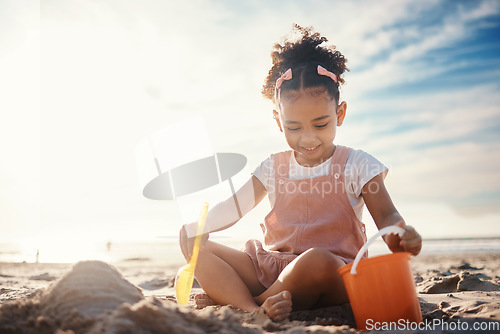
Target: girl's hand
411, 241
187, 244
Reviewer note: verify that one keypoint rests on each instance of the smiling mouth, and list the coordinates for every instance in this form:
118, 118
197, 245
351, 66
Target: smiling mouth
311, 149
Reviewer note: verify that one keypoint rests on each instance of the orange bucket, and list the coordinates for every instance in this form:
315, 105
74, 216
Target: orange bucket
381, 288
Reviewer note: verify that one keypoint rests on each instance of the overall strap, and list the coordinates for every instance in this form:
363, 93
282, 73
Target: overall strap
282, 164
340, 158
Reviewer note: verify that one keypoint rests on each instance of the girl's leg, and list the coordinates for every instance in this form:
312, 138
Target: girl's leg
228, 277
312, 279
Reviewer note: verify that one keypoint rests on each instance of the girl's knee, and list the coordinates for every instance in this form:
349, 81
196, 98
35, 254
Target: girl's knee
322, 264
207, 249
322, 256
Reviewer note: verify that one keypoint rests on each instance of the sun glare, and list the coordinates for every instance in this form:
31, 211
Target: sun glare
61, 250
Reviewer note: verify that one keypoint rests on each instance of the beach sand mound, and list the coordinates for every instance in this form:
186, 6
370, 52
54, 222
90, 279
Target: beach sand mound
88, 291
463, 281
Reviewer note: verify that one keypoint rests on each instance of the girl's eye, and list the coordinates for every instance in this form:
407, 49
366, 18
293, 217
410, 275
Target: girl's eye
293, 129
322, 125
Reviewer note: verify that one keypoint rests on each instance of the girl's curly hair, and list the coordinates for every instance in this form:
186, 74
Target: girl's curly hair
303, 56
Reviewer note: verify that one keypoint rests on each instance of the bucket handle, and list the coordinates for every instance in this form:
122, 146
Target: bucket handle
386, 230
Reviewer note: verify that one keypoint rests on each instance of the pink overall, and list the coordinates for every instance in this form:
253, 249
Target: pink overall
308, 213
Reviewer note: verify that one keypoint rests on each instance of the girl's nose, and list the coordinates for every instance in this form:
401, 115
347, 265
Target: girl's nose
308, 137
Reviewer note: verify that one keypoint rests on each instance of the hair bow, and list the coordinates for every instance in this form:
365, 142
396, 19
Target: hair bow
324, 71
285, 76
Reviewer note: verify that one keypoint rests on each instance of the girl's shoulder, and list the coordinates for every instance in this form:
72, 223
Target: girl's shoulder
359, 157
265, 170
282, 154
273, 157
360, 168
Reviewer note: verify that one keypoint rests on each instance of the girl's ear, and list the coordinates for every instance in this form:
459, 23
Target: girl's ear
276, 116
341, 111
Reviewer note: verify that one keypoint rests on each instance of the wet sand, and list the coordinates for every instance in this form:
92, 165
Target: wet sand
455, 291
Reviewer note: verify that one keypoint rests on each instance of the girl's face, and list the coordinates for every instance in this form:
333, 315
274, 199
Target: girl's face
309, 121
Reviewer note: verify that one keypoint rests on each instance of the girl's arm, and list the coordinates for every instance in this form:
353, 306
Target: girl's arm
225, 214
384, 214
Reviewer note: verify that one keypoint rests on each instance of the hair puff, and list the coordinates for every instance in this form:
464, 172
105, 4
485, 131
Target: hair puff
303, 46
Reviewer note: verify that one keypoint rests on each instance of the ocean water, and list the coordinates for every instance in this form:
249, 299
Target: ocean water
167, 252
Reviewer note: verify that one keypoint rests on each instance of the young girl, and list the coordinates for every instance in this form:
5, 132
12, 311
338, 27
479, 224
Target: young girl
317, 192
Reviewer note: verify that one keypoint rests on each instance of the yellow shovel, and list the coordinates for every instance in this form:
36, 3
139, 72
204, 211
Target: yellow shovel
185, 275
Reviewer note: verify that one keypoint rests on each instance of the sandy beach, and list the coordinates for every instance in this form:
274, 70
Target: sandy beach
458, 293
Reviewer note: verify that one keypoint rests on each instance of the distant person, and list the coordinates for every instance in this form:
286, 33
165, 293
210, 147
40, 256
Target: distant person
317, 192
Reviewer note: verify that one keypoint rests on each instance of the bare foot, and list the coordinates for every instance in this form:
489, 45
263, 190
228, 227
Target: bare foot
203, 300
278, 307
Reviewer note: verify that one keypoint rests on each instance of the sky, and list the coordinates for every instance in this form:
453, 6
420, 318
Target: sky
83, 82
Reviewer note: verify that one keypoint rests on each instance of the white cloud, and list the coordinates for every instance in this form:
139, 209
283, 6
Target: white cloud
484, 9
403, 46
